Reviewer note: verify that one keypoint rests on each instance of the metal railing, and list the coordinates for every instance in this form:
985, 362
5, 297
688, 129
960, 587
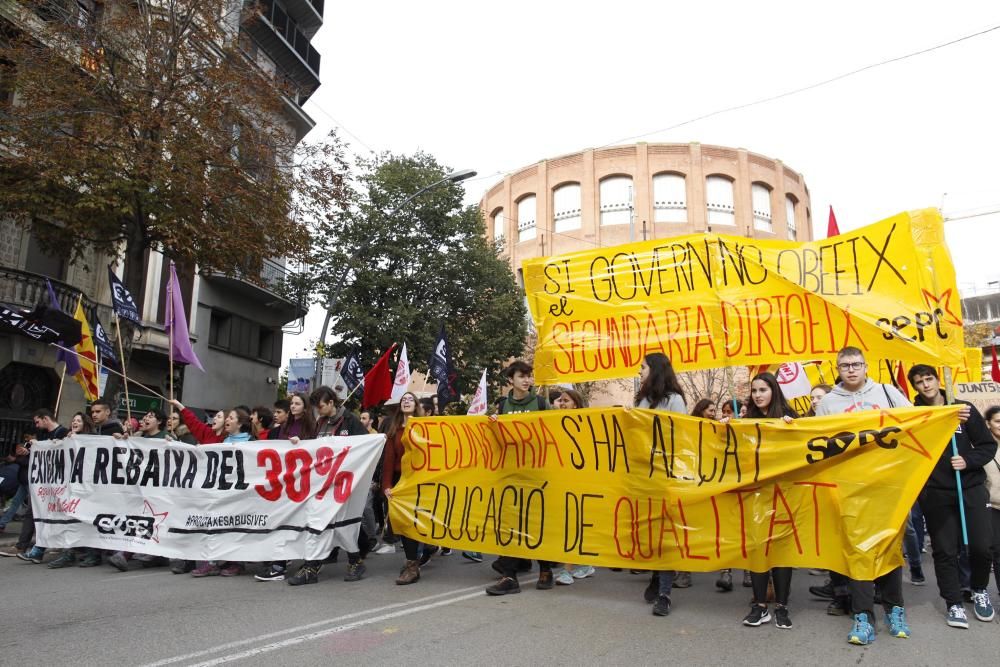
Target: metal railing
26, 290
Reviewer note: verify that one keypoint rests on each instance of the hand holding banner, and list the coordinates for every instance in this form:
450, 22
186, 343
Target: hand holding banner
661, 491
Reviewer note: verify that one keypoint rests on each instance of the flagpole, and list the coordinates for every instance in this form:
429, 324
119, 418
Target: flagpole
111, 370
124, 373
62, 380
170, 336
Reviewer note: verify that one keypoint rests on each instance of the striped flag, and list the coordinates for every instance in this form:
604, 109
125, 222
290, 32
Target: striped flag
87, 375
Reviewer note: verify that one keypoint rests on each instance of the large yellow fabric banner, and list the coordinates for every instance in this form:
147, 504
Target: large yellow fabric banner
710, 300
656, 490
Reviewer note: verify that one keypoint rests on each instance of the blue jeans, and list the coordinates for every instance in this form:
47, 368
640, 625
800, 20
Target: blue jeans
911, 547
666, 581
15, 505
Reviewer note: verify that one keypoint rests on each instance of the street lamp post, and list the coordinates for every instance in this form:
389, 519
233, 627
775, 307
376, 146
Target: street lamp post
453, 177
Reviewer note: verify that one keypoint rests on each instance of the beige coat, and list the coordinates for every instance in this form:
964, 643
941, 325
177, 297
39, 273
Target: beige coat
993, 481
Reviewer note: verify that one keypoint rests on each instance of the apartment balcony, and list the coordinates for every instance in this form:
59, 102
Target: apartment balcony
287, 45
307, 13
26, 290
264, 285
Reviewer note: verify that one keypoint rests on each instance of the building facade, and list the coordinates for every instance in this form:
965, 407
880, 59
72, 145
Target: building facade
236, 323
610, 196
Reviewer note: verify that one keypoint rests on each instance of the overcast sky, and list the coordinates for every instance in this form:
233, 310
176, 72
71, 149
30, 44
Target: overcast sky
498, 86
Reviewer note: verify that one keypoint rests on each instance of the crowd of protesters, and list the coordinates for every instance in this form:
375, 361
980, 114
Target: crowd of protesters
962, 571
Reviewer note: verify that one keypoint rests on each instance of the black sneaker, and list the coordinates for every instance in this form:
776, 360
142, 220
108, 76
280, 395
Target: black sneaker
662, 606
355, 571
65, 559
545, 580
824, 592
178, 566
781, 618
306, 575
274, 573
445, 551
758, 616
839, 606
426, 556
652, 588
93, 559
505, 586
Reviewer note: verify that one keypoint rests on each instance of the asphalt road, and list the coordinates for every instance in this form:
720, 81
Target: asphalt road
151, 617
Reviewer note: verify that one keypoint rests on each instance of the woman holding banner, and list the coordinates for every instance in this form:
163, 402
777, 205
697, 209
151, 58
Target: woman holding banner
391, 472
767, 402
570, 399
659, 389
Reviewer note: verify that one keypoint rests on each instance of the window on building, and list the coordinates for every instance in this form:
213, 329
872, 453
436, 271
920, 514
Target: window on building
616, 200
719, 201
790, 217
669, 198
526, 215
499, 226
243, 337
566, 207
760, 195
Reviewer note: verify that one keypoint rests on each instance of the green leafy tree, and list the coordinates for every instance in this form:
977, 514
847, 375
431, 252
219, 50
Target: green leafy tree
392, 267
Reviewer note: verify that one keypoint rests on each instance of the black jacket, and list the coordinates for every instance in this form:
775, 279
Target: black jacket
57, 433
975, 444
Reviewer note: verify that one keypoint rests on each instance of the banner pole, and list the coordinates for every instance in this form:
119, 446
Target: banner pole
949, 394
124, 373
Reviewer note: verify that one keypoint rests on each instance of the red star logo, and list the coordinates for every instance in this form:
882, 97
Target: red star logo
147, 509
912, 442
942, 303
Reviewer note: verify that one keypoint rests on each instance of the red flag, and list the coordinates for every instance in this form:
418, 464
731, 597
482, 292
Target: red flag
378, 381
831, 225
901, 381
995, 371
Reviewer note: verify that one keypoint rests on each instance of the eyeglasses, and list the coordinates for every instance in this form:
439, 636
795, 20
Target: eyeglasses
852, 366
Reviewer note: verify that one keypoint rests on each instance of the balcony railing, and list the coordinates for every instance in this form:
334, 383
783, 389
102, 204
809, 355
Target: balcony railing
26, 290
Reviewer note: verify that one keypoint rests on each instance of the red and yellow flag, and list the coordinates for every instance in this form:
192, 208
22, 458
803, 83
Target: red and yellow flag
87, 376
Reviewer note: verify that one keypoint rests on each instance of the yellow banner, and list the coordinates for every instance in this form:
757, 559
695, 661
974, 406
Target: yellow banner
710, 300
656, 490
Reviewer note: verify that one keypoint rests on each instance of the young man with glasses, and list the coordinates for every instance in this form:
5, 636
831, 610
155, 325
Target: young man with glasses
857, 392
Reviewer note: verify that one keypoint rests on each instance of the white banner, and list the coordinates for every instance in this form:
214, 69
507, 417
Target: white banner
253, 501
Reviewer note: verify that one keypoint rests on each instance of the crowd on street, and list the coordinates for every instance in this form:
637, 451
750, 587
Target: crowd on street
962, 571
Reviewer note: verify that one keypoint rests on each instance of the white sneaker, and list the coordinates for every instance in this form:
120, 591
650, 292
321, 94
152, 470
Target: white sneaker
564, 578
584, 571
386, 549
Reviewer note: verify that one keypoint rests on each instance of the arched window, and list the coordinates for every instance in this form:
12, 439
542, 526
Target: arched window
790, 217
526, 216
566, 207
760, 195
669, 198
616, 200
719, 201
499, 226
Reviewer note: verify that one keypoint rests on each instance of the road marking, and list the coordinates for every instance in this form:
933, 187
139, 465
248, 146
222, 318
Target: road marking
292, 641
309, 626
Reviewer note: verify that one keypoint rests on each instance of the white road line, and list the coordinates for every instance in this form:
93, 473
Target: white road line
292, 641
308, 626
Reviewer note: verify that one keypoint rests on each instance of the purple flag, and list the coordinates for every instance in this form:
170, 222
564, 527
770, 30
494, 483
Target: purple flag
72, 363
176, 324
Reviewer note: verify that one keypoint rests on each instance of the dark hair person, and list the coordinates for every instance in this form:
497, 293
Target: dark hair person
391, 472
659, 390
705, 408
658, 385
767, 402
